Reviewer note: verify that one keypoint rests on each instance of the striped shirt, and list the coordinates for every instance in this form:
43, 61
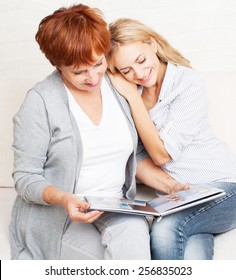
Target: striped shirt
180, 116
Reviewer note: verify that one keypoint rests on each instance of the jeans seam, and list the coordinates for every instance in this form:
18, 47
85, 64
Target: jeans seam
198, 212
209, 206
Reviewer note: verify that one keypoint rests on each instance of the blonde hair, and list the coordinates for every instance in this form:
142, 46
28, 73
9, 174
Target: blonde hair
125, 31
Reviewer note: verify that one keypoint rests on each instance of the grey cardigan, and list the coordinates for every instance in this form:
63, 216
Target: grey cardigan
48, 151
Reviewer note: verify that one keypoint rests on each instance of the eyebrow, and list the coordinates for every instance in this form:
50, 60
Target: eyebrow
121, 69
100, 60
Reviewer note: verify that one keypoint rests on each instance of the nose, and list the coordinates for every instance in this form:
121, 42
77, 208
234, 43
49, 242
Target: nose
91, 72
91, 75
138, 72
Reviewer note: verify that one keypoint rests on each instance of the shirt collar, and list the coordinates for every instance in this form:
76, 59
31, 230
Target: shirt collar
169, 79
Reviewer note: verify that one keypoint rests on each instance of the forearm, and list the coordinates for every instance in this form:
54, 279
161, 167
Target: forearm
148, 131
145, 127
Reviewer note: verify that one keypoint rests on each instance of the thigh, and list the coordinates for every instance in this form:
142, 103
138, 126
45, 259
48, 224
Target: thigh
216, 216
169, 237
213, 217
82, 241
124, 236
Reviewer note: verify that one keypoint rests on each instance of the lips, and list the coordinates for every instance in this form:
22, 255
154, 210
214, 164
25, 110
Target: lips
147, 78
93, 84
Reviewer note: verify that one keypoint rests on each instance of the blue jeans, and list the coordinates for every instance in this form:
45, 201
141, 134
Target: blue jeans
189, 234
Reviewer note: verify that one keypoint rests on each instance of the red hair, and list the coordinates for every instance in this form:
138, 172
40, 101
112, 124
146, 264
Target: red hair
71, 36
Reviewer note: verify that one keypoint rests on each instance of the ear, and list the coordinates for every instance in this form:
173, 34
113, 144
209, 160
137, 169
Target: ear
154, 44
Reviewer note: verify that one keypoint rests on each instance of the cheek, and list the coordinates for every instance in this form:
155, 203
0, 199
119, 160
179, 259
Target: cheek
76, 81
104, 68
130, 78
155, 61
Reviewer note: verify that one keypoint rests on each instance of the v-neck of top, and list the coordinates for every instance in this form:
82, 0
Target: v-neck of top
82, 118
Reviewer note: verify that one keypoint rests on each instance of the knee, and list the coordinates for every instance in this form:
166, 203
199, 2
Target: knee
128, 238
134, 225
139, 221
167, 241
165, 230
200, 247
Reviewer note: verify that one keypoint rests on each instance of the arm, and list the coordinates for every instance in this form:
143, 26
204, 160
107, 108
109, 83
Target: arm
187, 111
75, 207
153, 176
147, 131
145, 126
31, 142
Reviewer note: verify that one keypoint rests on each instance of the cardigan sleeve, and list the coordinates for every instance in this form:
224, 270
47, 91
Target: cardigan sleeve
141, 152
31, 136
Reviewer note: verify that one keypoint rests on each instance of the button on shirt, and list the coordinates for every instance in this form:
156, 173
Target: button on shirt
180, 116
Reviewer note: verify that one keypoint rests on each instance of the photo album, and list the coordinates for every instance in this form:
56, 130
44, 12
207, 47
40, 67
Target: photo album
159, 206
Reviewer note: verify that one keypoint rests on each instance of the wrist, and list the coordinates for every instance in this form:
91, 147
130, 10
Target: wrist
133, 98
54, 196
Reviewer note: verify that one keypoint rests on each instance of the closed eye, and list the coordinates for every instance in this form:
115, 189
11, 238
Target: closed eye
126, 72
142, 61
99, 64
79, 72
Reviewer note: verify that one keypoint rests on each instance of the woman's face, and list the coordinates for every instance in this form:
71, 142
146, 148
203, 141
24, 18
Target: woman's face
86, 79
138, 63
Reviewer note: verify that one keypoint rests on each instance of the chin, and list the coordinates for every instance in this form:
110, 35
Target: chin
149, 84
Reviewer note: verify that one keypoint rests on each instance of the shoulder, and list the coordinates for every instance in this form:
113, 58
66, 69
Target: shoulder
190, 87
183, 83
51, 84
187, 77
49, 91
47, 97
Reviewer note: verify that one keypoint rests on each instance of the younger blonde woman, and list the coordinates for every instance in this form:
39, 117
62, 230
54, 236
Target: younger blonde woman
169, 107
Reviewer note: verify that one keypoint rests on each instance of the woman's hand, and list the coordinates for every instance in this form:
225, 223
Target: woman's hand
76, 207
153, 176
124, 87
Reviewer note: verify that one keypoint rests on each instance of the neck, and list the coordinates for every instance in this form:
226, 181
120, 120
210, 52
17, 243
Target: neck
150, 95
154, 91
161, 74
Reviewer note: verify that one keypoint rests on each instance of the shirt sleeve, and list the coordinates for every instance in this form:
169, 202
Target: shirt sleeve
186, 113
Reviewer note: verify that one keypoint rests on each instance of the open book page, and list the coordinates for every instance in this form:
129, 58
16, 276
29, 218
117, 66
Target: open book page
160, 206
171, 201
114, 203
121, 205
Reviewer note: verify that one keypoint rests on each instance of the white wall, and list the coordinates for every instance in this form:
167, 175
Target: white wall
203, 30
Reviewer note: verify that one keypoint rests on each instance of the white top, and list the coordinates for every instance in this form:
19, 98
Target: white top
181, 118
106, 147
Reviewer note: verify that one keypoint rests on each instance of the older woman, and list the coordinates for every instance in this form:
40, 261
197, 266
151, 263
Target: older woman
74, 136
